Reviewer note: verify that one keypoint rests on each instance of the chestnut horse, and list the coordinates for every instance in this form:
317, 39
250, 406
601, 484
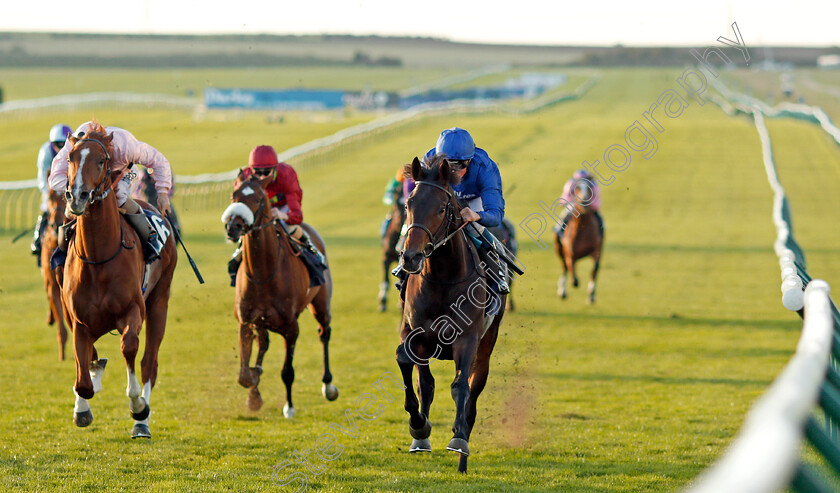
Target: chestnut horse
272, 289
102, 286
55, 315
583, 237
444, 311
389, 250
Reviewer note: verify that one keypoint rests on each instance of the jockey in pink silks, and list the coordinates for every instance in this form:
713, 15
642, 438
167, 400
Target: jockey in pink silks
586, 180
125, 151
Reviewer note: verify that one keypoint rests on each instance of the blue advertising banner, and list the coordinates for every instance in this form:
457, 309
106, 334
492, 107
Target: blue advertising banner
291, 99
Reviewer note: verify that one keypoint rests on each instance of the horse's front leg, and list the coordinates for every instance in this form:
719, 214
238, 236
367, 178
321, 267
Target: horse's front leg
129, 345
418, 424
464, 356
247, 376
597, 258
88, 374
561, 282
383, 286
255, 400
288, 373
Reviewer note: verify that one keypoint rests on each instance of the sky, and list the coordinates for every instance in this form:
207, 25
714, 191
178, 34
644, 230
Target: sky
583, 22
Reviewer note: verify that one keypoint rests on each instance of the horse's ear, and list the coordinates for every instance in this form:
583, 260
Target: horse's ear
108, 138
445, 173
415, 169
72, 139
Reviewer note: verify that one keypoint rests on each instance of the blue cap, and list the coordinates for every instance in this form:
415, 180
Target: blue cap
456, 143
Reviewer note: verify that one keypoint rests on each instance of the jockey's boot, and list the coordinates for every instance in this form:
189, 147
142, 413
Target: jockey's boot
560, 228
312, 257
59, 255
233, 265
40, 227
152, 245
496, 268
309, 245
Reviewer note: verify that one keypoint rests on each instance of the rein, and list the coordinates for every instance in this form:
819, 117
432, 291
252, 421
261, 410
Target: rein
112, 257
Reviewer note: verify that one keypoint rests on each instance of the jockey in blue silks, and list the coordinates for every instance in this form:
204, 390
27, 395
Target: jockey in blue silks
481, 190
58, 136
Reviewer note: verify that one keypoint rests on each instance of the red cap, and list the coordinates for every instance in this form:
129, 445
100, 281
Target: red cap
263, 157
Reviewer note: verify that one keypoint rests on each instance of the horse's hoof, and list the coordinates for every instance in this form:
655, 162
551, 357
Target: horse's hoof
382, 307
330, 391
562, 296
255, 400
575, 283
140, 431
142, 414
288, 412
459, 445
83, 419
100, 363
420, 445
422, 432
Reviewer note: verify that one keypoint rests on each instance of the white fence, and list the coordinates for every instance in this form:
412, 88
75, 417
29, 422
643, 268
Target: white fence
765, 456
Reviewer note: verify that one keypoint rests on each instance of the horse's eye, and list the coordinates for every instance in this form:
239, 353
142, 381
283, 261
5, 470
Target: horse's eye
101, 162
442, 210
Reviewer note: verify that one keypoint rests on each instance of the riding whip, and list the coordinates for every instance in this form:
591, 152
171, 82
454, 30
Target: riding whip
178, 239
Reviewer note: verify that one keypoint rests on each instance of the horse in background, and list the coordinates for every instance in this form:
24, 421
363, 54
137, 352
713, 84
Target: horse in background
390, 238
106, 284
55, 315
273, 289
583, 237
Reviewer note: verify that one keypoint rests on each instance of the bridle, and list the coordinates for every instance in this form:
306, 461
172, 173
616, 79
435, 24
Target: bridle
450, 220
248, 229
97, 194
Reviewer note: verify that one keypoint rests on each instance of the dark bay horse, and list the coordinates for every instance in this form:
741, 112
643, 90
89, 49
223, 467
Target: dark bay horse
583, 237
272, 289
389, 250
444, 311
55, 314
102, 285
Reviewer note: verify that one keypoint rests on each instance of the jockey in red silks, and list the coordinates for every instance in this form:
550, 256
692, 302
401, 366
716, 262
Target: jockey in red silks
125, 151
285, 196
585, 179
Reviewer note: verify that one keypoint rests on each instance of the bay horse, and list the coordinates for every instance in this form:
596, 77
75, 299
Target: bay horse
444, 310
389, 249
55, 314
583, 237
272, 289
102, 285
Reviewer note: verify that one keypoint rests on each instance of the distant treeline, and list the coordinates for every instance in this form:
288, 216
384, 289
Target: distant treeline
19, 58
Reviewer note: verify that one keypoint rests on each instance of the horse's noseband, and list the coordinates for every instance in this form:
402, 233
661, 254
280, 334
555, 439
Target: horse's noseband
450, 219
97, 193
